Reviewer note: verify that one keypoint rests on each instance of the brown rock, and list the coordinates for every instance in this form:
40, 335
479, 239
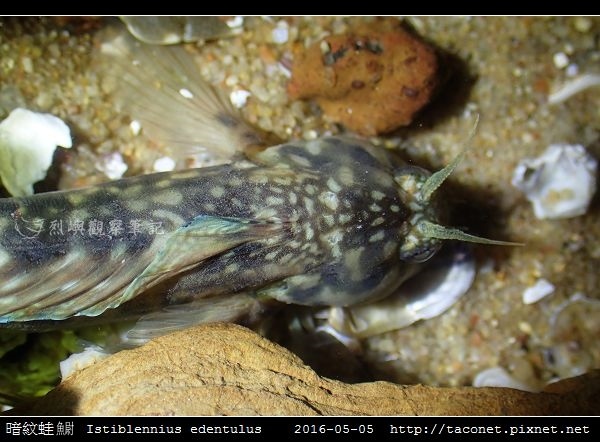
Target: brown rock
225, 369
373, 80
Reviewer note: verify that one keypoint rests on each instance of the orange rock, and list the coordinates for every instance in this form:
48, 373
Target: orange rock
372, 80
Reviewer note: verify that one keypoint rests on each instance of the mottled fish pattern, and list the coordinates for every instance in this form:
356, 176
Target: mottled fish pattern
312, 223
334, 221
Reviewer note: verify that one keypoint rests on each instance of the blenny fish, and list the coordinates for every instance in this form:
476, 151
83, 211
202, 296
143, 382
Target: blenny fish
334, 221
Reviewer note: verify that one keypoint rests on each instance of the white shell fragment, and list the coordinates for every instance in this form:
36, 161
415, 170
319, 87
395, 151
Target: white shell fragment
447, 277
78, 361
539, 290
113, 166
560, 183
166, 30
27, 144
280, 34
573, 87
239, 97
499, 377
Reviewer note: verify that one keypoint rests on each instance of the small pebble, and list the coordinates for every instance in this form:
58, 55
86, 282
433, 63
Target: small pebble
135, 127
186, 93
561, 60
280, 34
239, 97
113, 166
583, 24
164, 164
538, 291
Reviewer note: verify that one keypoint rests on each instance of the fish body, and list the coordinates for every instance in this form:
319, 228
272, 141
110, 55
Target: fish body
329, 222
312, 223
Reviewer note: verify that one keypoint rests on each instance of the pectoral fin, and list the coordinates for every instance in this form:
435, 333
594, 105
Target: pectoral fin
162, 88
189, 245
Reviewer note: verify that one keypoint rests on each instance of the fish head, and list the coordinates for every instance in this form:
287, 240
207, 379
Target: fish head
423, 235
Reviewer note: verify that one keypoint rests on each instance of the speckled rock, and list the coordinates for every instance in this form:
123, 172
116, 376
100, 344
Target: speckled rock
225, 369
373, 79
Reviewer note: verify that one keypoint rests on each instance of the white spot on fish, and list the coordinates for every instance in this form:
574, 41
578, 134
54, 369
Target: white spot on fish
377, 195
217, 191
300, 160
314, 148
309, 232
284, 181
333, 186
344, 218
377, 236
310, 205
329, 220
79, 214
294, 244
235, 181
134, 191
334, 238
378, 221
374, 208
137, 205
389, 249
175, 219
274, 201
258, 179
394, 208
293, 198
329, 199
232, 268
163, 183
76, 198
352, 262
310, 189
271, 255
266, 213
346, 176
168, 198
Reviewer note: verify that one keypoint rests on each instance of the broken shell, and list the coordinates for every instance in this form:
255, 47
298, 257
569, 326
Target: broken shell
78, 361
560, 183
573, 87
499, 377
172, 30
427, 295
27, 144
574, 326
112, 165
539, 290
